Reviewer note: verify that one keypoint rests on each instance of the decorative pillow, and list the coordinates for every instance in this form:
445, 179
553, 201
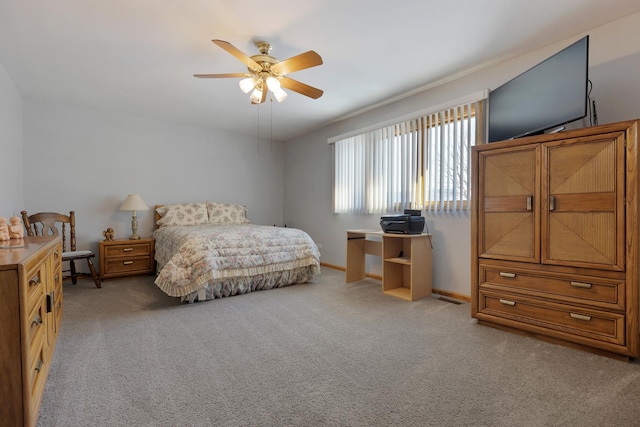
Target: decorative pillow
221, 213
183, 214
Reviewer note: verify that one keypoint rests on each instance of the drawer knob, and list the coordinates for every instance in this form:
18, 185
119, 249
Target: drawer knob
127, 249
39, 365
507, 302
580, 317
35, 281
581, 285
127, 262
509, 275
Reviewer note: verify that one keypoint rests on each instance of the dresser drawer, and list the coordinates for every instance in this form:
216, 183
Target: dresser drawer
35, 323
128, 250
597, 292
568, 320
38, 370
35, 283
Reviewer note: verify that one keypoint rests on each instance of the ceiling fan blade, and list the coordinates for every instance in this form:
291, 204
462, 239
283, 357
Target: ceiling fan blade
301, 88
238, 54
296, 63
218, 76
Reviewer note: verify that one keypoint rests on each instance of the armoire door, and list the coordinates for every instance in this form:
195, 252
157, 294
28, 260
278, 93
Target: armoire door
508, 204
583, 208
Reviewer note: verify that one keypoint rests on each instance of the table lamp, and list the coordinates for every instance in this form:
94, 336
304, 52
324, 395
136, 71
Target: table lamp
134, 203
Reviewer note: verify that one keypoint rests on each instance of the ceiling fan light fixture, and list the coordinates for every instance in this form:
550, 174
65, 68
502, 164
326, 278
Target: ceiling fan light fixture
273, 84
264, 72
280, 94
256, 96
246, 85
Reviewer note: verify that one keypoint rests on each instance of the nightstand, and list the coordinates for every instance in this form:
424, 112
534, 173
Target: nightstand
124, 257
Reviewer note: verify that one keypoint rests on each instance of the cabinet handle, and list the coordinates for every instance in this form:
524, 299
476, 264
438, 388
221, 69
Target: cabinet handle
50, 300
509, 275
35, 281
38, 366
507, 302
127, 249
581, 285
127, 262
36, 321
580, 317
552, 203
529, 203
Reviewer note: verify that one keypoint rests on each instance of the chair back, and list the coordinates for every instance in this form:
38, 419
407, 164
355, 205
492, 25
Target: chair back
52, 224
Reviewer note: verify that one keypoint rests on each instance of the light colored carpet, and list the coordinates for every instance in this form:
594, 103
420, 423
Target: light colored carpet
321, 354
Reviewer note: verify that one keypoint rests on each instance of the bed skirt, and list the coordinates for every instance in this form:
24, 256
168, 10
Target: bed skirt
242, 285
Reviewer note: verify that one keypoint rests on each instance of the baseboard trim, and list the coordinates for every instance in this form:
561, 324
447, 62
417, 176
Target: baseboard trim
448, 294
332, 266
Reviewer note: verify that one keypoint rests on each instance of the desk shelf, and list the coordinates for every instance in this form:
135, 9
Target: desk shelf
400, 260
406, 265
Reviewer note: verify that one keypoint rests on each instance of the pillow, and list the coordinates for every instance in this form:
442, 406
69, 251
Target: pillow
221, 213
183, 214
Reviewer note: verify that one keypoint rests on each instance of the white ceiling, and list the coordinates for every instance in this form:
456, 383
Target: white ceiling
139, 56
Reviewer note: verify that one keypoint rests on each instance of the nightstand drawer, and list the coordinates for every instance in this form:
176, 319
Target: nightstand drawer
128, 250
127, 265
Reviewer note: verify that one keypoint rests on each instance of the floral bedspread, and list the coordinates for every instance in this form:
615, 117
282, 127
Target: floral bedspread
190, 257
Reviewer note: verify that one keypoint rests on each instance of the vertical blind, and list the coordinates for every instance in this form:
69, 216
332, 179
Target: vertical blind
420, 163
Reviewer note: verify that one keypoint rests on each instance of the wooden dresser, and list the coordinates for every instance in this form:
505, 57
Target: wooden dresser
30, 315
555, 237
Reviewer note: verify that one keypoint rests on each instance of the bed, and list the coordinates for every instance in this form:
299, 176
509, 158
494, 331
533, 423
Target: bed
210, 250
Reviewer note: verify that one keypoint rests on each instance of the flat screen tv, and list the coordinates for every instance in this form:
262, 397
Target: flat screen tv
549, 95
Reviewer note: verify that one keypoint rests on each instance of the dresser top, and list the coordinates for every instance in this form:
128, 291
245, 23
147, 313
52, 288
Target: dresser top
18, 251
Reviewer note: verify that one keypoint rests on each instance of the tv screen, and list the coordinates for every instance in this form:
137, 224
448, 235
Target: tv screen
550, 94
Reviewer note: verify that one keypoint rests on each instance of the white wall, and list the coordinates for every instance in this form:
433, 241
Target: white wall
89, 160
614, 60
10, 146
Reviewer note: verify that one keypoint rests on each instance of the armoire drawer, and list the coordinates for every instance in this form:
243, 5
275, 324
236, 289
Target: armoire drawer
563, 318
598, 292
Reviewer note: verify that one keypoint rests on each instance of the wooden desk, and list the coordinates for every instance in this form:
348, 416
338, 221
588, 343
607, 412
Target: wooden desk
406, 261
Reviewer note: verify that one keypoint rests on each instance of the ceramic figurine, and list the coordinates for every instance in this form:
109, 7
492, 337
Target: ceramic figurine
4, 229
108, 234
16, 230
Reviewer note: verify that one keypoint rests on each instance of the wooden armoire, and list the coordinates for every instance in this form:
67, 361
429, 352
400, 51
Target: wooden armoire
555, 238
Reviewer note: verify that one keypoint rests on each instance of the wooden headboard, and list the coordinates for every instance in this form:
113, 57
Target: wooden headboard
156, 216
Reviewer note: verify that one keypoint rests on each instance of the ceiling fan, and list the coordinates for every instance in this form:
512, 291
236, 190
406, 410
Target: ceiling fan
267, 73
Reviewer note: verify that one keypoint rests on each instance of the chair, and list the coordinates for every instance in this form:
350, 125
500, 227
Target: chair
54, 224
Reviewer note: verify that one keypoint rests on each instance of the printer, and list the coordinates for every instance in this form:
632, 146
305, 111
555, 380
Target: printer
409, 222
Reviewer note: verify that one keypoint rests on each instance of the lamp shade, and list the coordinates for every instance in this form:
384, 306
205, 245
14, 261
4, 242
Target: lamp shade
133, 202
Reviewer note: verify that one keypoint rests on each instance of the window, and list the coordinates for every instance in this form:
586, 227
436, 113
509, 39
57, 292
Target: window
421, 163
